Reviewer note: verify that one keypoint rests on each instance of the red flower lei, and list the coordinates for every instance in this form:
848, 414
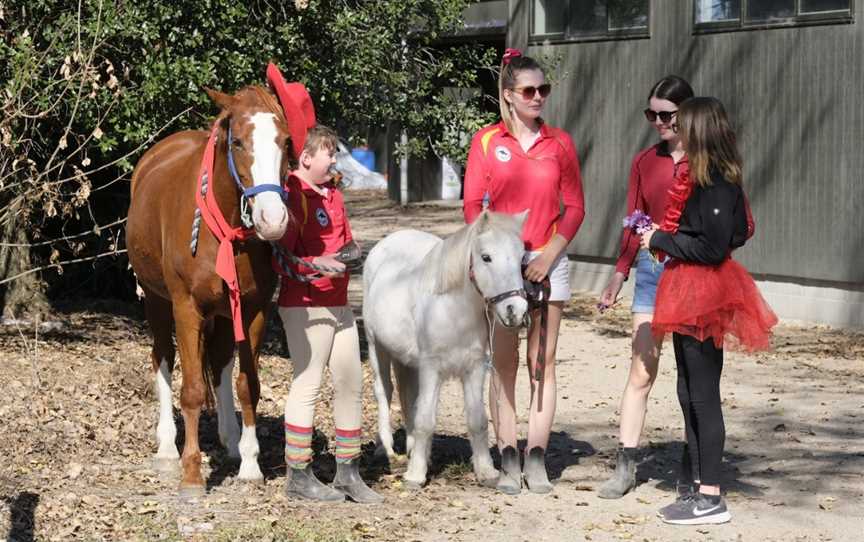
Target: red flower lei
679, 193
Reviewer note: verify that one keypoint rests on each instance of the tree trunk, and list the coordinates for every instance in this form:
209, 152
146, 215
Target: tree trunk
25, 296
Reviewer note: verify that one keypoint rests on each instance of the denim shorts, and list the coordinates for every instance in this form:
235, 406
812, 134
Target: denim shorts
647, 277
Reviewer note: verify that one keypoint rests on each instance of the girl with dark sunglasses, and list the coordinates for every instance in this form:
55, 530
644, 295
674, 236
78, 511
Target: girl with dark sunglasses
651, 175
523, 163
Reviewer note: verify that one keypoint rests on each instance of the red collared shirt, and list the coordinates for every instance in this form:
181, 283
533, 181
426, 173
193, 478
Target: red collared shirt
652, 174
320, 226
539, 179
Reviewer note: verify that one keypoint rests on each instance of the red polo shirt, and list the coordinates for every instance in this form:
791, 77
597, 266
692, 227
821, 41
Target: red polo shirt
320, 226
652, 174
540, 180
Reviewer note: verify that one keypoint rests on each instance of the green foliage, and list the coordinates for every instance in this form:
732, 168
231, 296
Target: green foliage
85, 89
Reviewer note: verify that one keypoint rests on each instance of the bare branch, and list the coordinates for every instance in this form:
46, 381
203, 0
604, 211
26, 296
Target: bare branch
61, 264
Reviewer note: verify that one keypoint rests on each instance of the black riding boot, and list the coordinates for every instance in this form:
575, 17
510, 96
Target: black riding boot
348, 481
510, 478
536, 477
624, 477
303, 483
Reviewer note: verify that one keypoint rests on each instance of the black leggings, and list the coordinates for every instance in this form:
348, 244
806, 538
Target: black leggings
700, 365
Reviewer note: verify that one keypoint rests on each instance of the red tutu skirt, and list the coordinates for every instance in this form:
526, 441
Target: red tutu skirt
721, 302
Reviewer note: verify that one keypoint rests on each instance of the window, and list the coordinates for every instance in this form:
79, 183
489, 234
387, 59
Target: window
587, 19
743, 13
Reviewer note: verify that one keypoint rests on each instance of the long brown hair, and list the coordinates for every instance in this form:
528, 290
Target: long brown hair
510, 69
708, 140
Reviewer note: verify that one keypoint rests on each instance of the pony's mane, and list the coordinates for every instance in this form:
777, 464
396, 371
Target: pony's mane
447, 265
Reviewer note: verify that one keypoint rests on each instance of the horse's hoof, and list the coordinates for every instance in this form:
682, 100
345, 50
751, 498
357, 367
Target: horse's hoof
165, 465
191, 492
412, 485
397, 459
253, 480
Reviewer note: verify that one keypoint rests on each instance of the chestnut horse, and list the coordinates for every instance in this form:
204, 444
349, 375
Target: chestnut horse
184, 291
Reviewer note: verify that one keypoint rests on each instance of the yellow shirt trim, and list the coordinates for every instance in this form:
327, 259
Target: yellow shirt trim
484, 139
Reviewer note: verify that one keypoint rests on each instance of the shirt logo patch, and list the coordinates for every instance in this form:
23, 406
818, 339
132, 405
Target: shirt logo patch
502, 153
322, 217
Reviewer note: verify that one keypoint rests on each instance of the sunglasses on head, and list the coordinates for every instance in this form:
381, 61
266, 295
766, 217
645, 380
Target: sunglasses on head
529, 92
665, 116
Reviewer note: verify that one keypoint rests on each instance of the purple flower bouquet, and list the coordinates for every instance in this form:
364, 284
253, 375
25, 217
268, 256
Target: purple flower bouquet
638, 221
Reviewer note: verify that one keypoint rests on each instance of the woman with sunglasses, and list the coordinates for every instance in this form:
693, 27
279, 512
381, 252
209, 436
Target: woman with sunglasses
651, 175
523, 163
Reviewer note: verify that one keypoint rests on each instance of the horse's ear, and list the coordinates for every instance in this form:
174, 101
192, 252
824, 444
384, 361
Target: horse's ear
522, 217
483, 221
224, 101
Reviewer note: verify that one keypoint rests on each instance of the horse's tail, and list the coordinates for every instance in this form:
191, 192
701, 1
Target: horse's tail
209, 388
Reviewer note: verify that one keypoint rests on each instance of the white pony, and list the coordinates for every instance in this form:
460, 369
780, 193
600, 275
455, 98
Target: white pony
425, 306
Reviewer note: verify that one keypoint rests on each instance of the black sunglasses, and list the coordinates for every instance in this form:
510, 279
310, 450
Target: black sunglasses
529, 92
665, 116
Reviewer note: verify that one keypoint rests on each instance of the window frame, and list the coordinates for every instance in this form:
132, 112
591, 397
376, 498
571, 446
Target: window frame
607, 35
842, 16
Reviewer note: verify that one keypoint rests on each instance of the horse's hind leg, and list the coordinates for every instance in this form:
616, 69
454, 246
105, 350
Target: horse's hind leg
425, 410
383, 389
160, 318
478, 425
249, 391
407, 380
220, 357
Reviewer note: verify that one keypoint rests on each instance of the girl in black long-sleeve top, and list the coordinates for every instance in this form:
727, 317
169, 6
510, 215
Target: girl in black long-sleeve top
705, 298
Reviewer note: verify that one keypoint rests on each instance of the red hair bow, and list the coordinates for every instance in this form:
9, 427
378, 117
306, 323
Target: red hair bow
510, 54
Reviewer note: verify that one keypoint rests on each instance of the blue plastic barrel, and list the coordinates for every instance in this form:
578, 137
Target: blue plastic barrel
365, 157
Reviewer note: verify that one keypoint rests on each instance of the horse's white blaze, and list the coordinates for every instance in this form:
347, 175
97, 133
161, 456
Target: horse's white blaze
166, 430
229, 429
249, 469
269, 214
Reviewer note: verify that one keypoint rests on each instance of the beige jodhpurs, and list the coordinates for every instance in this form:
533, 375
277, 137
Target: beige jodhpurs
317, 337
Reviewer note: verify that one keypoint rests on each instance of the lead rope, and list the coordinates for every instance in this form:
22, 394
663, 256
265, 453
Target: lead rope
543, 305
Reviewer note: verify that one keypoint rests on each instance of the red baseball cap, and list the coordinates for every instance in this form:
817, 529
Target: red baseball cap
296, 105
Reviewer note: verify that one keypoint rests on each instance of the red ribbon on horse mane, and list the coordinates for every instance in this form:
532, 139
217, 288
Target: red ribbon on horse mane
226, 234
509, 54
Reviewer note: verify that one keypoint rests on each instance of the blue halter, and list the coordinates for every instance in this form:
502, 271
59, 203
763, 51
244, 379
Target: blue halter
246, 193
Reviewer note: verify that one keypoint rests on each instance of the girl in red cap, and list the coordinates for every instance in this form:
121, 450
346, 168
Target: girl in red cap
517, 164
705, 298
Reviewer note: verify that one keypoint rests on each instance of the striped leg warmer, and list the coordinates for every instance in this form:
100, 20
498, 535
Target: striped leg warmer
298, 446
347, 444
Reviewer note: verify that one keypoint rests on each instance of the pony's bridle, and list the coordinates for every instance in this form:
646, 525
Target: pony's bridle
520, 292
246, 193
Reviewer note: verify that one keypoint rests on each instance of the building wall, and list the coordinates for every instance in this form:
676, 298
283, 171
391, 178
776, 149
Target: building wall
795, 97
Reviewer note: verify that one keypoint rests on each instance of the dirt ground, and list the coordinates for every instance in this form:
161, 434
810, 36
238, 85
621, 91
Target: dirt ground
79, 418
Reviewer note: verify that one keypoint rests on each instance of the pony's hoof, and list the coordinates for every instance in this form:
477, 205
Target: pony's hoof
489, 482
165, 465
191, 492
412, 485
